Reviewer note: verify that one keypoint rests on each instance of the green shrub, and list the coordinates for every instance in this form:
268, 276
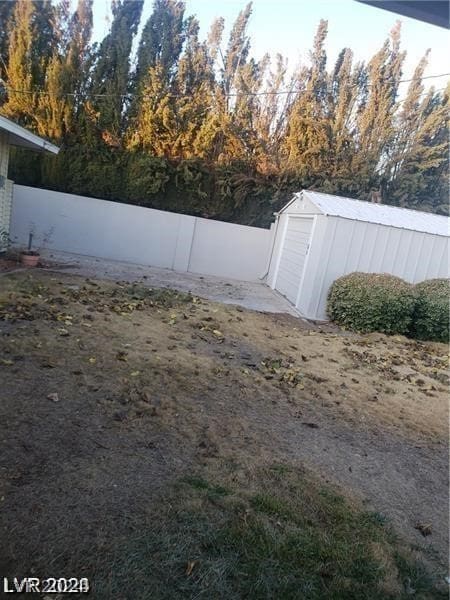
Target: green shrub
372, 302
431, 315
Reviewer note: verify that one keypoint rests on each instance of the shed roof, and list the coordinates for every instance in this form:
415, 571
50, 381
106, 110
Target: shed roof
382, 214
19, 136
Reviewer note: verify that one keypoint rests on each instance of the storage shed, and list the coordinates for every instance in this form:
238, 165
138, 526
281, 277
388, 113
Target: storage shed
319, 237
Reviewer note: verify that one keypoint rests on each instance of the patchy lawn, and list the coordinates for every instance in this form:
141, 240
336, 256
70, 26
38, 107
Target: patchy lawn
168, 447
8, 263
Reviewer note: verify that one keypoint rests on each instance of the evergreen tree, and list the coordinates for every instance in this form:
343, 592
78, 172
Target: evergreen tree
153, 124
375, 126
236, 77
418, 164
21, 91
111, 72
237, 51
307, 145
194, 86
270, 125
214, 133
162, 40
6, 11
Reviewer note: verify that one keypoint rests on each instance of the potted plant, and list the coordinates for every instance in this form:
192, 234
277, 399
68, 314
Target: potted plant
30, 257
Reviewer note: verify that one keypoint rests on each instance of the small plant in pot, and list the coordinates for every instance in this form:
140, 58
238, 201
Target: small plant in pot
30, 257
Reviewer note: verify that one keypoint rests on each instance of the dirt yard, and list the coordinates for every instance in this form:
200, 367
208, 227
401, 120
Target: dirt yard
111, 393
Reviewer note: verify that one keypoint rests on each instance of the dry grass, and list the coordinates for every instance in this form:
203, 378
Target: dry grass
171, 412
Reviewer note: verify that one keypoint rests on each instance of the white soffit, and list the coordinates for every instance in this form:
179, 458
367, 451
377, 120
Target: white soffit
19, 136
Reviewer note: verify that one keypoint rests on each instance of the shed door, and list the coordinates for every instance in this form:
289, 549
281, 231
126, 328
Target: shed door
293, 256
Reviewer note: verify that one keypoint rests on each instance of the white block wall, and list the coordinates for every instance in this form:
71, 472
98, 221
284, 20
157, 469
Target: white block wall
139, 235
229, 249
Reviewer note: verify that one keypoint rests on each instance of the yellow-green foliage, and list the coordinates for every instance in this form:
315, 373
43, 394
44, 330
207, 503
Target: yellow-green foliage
372, 302
431, 316
200, 126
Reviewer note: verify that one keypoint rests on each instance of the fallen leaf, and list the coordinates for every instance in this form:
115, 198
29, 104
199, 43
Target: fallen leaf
92, 360
135, 373
48, 364
190, 566
7, 362
53, 397
120, 415
424, 528
217, 333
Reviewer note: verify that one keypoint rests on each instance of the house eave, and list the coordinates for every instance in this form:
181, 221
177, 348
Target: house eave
21, 137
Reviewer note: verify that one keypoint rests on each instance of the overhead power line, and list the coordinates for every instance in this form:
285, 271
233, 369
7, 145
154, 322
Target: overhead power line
229, 95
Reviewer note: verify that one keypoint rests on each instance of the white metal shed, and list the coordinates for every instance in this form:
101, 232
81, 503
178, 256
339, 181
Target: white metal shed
319, 237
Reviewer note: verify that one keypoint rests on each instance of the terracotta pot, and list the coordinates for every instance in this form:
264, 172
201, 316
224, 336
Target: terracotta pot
30, 260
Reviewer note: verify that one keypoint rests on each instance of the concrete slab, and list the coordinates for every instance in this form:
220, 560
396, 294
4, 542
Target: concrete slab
256, 296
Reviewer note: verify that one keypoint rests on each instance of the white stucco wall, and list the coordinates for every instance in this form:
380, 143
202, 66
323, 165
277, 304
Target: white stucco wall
145, 236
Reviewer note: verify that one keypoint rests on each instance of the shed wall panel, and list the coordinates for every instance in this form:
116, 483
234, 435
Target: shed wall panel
425, 257
414, 254
293, 254
443, 263
328, 243
280, 229
347, 246
366, 251
407, 240
313, 271
389, 260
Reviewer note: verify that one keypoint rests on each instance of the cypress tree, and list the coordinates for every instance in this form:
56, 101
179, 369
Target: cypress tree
111, 72
22, 94
375, 124
307, 146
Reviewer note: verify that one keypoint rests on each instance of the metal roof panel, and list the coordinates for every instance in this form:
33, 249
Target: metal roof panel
382, 214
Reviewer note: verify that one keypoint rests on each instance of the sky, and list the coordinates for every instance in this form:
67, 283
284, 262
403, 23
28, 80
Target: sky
288, 27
